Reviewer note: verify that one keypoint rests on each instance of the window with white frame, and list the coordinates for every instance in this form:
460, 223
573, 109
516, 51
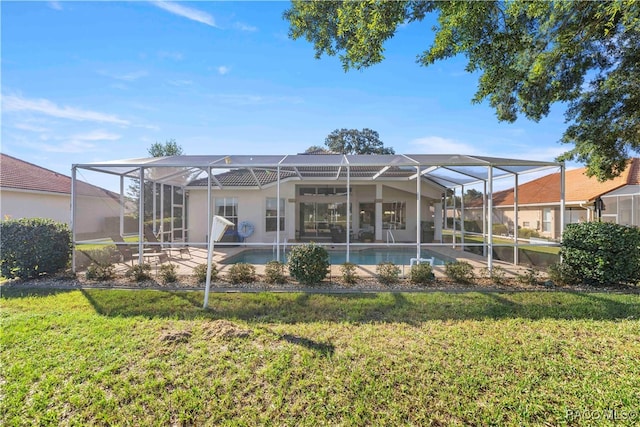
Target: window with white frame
228, 208
546, 220
271, 215
394, 216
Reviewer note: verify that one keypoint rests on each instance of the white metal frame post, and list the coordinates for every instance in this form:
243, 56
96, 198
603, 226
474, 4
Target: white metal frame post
141, 218
418, 214
348, 210
278, 216
462, 216
562, 201
490, 220
73, 218
516, 250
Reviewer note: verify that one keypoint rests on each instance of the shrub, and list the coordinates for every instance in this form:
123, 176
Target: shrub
497, 274
460, 271
101, 272
527, 233
103, 256
421, 274
530, 277
308, 264
241, 272
349, 274
168, 273
139, 272
500, 229
31, 247
274, 272
200, 271
602, 253
388, 273
561, 274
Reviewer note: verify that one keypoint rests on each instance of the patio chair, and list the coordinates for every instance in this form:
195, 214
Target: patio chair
150, 237
125, 252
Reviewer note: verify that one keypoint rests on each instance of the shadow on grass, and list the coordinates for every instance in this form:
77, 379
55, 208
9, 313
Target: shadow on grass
10, 292
412, 308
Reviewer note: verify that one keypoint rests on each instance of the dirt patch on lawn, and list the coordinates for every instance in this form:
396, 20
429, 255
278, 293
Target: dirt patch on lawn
224, 329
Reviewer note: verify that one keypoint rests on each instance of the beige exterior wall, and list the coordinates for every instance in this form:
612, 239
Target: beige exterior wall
252, 207
23, 204
91, 211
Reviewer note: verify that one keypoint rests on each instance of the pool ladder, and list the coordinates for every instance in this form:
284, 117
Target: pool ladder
390, 237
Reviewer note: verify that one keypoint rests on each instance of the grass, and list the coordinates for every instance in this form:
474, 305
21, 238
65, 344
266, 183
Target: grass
157, 358
554, 250
104, 244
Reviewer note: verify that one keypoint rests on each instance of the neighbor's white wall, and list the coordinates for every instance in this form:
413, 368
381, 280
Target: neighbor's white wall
22, 204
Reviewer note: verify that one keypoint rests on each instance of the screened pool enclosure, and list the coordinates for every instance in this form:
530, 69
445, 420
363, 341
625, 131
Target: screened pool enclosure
347, 202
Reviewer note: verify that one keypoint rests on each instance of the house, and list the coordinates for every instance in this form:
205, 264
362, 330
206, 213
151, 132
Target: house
586, 199
31, 191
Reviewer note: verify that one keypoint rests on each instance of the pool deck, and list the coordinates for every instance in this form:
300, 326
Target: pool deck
186, 262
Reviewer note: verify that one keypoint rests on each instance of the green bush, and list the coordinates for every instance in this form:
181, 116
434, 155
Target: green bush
497, 274
421, 274
460, 271
602, 253
99, 271
500, 229
168, 273
349, 274
530, 277
274, 273
139, 272
527, 233
241, 273
388, 273
563, 275
308, 264
30, 247
200, 271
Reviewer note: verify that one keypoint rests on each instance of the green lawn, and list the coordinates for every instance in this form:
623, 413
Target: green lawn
157, 358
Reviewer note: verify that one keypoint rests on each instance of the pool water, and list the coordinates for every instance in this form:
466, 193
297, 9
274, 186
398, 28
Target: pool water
361, 257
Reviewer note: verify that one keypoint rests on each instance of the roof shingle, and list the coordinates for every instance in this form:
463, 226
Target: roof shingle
20, 175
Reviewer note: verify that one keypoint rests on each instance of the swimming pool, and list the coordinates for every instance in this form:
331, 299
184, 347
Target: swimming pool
373, 256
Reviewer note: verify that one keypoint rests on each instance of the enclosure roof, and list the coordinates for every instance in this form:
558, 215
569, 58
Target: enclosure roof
446, 170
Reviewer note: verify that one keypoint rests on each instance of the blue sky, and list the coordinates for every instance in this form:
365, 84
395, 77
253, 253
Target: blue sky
96, 81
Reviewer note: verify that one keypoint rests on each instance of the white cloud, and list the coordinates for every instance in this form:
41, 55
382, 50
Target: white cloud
30, 128
96, 135
186, 12
248, 99
55, 5
440, 145
44, 106
127, 77
244, 27
180, 82
222, 70
176, 56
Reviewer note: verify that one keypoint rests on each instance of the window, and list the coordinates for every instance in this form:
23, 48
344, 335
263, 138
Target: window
271, 215
394, 216
546, 220
228, 208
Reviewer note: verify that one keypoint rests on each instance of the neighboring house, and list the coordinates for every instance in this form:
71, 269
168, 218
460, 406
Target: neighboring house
586, 199
31, 191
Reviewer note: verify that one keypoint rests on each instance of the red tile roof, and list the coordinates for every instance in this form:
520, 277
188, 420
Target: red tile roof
20, 175
578, 187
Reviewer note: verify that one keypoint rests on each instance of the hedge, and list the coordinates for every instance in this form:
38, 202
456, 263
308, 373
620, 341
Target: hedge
31, 247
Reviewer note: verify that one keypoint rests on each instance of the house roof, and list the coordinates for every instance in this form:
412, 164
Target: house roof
578, 187
445, 170
20, 175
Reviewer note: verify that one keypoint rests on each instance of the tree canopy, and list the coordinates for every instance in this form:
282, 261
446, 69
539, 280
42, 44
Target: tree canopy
529, 55
169, 148
354, 141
